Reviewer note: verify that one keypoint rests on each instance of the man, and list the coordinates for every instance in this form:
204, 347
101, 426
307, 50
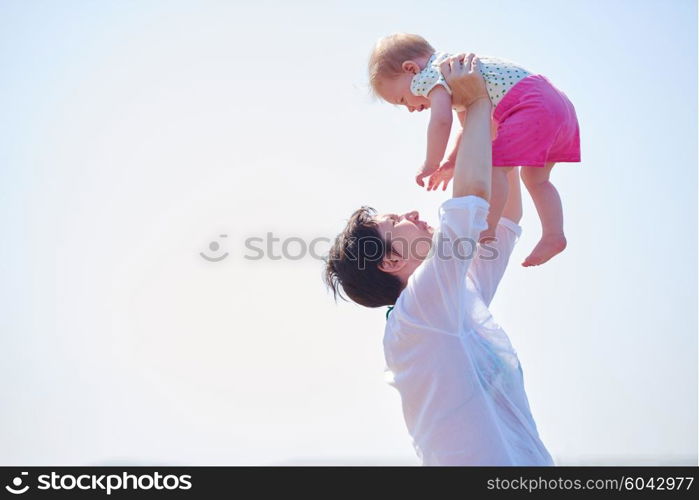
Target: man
460, 381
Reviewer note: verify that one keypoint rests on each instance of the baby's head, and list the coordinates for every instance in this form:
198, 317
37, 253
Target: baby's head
392, 65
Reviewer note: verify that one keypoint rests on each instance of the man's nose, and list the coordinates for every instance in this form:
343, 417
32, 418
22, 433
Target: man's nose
412, 216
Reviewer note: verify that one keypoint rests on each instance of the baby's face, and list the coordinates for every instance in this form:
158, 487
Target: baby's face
397, 91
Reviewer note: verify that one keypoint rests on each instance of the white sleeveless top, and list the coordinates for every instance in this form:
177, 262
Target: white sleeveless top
500, 76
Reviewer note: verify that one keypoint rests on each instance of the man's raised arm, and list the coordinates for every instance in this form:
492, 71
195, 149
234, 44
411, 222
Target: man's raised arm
472, 174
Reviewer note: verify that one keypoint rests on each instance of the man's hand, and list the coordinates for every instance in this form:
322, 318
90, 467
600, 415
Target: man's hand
443, 175
463, 75
425, 171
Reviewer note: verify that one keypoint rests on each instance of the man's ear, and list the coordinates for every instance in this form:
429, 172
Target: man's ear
391, 264
410, 67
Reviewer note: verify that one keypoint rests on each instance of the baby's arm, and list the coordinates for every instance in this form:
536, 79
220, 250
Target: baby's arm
446, 170
437, 131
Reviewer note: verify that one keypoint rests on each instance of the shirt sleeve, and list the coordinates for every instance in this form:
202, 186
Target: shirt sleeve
489, 266
434, 295
427, 79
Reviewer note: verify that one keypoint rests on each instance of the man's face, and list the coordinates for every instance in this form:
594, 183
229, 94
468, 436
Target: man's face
410, 237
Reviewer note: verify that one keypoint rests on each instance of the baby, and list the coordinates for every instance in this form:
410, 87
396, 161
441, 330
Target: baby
534, 126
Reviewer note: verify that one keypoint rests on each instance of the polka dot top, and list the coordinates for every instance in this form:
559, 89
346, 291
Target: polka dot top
499, 75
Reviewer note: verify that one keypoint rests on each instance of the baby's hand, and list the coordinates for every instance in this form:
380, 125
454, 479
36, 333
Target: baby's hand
443, 174
425, 171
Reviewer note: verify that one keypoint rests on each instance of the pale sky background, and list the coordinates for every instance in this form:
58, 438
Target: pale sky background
133, 133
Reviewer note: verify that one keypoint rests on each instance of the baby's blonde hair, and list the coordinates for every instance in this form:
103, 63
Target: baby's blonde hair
391, 52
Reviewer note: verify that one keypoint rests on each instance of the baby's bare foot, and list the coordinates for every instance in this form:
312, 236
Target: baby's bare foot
549, 246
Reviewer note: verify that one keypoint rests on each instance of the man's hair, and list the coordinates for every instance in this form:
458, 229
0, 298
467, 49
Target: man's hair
391, 52
353, 263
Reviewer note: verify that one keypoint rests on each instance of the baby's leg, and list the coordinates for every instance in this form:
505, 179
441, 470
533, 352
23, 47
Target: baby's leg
498, 197
548, 205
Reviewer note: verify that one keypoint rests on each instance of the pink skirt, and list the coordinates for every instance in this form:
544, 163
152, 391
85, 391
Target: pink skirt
536, 125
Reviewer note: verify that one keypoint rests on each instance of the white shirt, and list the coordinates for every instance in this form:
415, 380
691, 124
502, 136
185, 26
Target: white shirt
459, 378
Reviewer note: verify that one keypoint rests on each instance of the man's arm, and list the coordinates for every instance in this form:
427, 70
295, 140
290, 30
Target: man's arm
473, 171
489, 267
462, 118
435, 293
472, 174
513, 205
